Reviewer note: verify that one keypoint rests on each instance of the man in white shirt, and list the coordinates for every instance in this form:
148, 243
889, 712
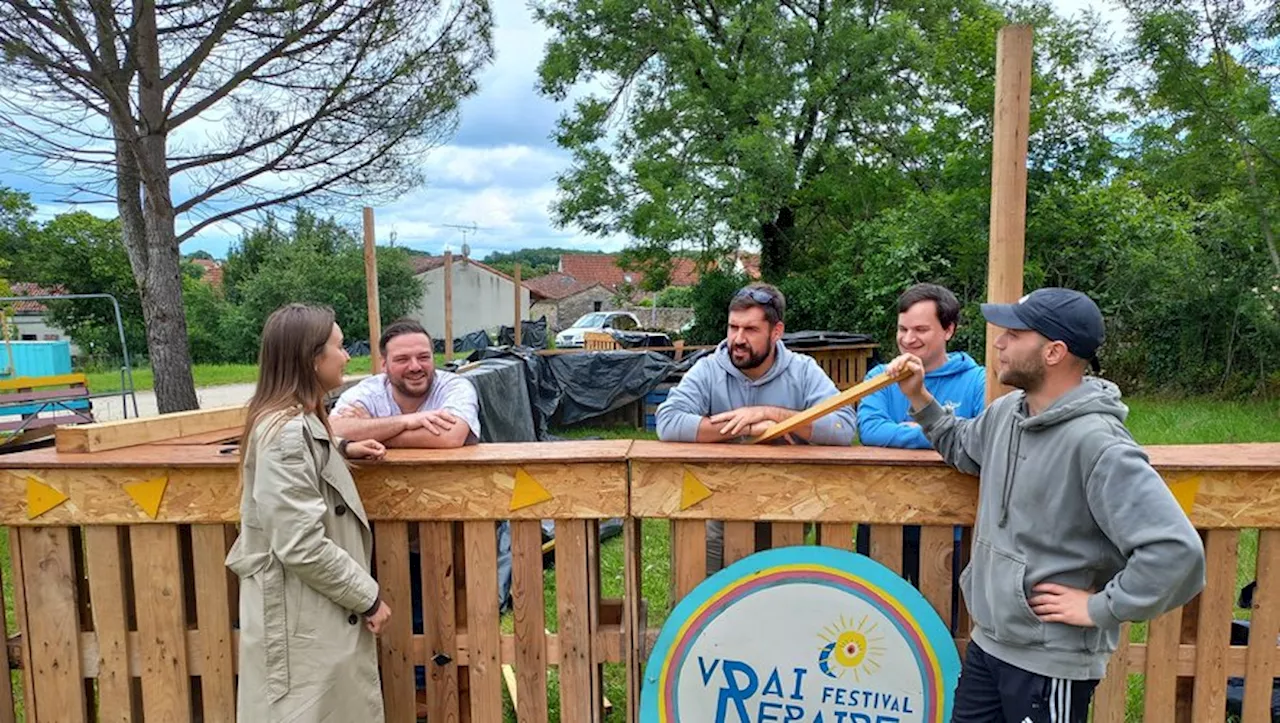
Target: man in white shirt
411, 404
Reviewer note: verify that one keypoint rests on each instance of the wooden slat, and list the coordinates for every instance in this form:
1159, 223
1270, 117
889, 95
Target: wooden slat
7, 713
52, 623
937, 547
439, 627
1162, 665
102, 551
162, 625
130, 432
634, 623
395, 644
788, 534
213, 611
886, 546
689, 544
1110, 697
529, 613
739, 541
572, 591
598, 700
482, 622
829, 405
1263, 630
1213, 633
20, 615
836, 534
53, 380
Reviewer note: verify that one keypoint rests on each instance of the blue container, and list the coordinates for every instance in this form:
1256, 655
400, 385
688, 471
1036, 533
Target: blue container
36, 359
651, 402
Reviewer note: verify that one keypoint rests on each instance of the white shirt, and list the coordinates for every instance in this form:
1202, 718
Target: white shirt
449, 391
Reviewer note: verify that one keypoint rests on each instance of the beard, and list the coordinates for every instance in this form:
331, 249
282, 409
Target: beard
1027, 375
414, 387
752, 358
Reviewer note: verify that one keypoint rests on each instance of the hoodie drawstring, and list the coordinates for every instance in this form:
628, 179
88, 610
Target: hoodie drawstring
1011, 468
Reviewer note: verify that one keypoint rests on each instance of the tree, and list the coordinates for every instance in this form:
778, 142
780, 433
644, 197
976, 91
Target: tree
207, 110
533, 262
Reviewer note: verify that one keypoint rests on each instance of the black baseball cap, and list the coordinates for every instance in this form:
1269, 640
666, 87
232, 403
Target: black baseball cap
1058, 314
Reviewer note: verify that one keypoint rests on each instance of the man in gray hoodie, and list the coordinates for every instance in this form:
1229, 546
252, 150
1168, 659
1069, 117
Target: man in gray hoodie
751, 381
1076, 533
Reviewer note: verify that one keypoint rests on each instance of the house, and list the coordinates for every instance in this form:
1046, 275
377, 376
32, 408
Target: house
29, 316
595, 282
211, 272
483, 297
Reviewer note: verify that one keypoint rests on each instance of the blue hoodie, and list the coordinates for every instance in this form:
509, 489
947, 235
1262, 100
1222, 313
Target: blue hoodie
959, 385
715, 385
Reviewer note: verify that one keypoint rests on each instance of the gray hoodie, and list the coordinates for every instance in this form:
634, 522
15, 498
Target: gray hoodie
715, 385
1066, 496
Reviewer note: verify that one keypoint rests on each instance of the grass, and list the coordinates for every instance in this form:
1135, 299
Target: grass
212, 375
1152, 421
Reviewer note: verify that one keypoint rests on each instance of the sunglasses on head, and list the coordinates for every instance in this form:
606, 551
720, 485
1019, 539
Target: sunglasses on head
760, 296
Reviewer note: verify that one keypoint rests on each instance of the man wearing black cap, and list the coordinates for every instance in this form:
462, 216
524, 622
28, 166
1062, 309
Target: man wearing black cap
1076, 533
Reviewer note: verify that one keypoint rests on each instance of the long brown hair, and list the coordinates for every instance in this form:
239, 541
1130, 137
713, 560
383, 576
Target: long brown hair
292, 338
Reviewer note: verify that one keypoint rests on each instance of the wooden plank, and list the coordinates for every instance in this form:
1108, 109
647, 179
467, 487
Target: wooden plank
1213, 633
594, 604
14, 384
1110, 697
157, 582
23, 630
788, 534
484, 666
389, 492
937, 547
53, 624
1263, 630
529, 614
130, 432
439, 627
572, 595
689, 544
886, 546
739, 541
1161, 670
789, 492
395, 648
213, 612
836, 534
7, 713
634, 622
103, 550
829, 405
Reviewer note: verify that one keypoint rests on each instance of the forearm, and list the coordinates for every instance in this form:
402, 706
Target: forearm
382, 429
423, 439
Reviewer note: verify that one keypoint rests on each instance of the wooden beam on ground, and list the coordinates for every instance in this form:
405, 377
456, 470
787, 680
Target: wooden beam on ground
827, 406
103, 436
371, 289
1008, 181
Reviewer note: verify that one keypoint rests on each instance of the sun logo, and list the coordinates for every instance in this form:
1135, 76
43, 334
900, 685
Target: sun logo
850, 648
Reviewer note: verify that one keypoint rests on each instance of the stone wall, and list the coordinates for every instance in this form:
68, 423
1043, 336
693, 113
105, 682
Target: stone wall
666, 318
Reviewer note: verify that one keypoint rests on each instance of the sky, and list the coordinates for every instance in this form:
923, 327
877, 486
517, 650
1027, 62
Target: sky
490, 187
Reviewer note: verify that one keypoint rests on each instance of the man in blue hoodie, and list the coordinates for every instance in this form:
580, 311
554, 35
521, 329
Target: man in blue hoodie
1076, 532
927, 318
751, 381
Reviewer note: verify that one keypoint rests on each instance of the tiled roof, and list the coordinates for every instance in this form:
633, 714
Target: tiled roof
212, 271
423, 264
26, 288
603, 269
556, 285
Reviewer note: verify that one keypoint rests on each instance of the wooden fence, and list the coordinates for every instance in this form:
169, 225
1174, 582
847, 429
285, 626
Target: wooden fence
121, 616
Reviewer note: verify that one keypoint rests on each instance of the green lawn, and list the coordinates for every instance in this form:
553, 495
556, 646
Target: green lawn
1152, 421
210, 375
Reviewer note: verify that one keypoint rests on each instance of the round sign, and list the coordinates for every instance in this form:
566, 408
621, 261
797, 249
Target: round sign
802, 635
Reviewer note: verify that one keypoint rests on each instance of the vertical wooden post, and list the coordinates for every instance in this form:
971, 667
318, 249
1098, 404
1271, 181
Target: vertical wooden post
448, 306
519, 309
371, 290
1008, 181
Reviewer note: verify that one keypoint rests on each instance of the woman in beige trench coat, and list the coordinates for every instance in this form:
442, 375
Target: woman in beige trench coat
309, 609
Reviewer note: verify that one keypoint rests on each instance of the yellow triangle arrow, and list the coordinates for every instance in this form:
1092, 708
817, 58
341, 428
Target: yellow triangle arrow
148, 494
41, 498
1185, 493
692, 491
527, 491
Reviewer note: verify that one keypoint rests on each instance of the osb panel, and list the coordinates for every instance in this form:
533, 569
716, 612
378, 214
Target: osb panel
389, 492
807, 492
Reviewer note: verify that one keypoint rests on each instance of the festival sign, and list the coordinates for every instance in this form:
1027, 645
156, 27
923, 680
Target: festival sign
802, 635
